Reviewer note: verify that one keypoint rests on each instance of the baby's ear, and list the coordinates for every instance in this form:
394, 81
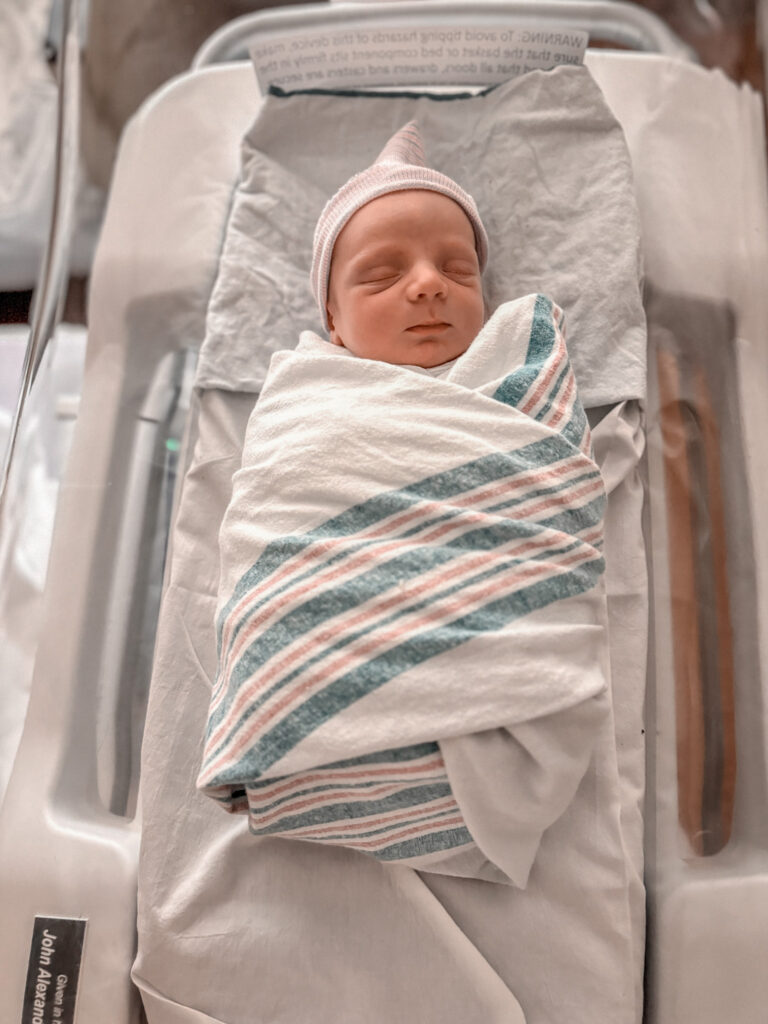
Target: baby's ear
487, 309
333, 334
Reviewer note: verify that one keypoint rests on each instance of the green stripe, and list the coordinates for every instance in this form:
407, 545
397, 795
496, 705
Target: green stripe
436, 842
395, 756
541, 343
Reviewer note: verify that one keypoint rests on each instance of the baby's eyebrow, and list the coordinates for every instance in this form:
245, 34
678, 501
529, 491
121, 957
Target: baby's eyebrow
376, 252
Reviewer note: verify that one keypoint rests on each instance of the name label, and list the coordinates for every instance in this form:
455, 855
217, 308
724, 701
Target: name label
53, 971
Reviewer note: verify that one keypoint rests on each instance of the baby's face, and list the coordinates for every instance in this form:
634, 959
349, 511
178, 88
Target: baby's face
405, 281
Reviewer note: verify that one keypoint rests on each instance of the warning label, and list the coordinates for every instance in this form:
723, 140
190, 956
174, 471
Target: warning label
55, 955
345, 58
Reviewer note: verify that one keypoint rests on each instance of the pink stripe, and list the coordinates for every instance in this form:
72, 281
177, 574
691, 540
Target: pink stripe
563, 404
364, 649
415, 830
586, 441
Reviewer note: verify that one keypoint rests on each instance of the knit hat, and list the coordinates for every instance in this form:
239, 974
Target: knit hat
399, 166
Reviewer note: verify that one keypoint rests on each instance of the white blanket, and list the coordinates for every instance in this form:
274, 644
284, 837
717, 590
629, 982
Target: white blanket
407, 562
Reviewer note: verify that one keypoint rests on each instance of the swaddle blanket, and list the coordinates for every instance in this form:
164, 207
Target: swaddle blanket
408, 559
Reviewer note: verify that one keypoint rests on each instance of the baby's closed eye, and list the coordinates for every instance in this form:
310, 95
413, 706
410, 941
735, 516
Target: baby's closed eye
460, 268
377, 274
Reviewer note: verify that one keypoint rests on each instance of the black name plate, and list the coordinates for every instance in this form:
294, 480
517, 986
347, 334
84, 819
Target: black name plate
53, 973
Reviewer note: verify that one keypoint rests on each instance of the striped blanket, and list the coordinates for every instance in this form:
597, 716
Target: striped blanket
408, 561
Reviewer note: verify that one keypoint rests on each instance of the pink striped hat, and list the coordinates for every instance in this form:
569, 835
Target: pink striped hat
398, 167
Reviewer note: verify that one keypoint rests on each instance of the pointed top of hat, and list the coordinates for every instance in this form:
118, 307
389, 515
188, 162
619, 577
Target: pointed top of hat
405, 147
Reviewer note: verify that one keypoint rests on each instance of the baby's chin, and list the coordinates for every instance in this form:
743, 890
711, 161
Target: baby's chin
430, 354
427, 353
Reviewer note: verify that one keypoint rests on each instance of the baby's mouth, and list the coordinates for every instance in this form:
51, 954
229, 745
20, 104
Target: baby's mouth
428, 327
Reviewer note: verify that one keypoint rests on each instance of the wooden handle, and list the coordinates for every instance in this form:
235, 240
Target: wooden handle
700, 610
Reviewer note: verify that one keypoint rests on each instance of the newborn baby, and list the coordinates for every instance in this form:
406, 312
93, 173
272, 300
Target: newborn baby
398, 257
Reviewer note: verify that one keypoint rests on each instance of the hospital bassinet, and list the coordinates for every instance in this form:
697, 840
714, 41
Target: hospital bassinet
70, 824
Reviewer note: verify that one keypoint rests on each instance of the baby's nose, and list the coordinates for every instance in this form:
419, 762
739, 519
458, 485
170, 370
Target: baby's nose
426, 280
